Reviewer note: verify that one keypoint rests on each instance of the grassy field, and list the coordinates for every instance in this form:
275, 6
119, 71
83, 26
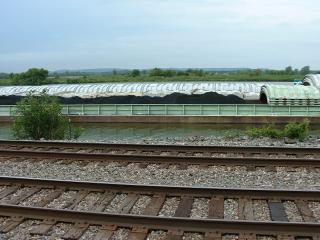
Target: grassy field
146, 78
120, 78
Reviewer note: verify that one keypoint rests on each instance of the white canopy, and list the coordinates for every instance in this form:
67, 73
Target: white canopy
246, 90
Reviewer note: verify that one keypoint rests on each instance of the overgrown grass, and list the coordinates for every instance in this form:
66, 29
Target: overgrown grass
292, 130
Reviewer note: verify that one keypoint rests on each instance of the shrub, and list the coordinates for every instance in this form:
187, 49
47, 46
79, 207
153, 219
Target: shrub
297, 130
39, 116
292, 130
265, 131
34, 76
135, 73
74, 132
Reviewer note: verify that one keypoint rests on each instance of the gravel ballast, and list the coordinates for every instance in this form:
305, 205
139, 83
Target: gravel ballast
292, 211
200, 208
140, 205
169, 207
231, 140
213, 176
315, 207
23, 231
261, 210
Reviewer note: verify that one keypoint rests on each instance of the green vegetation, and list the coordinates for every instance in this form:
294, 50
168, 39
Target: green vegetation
291, 130
40, 117
297, 130
33, 76
265, 131
135, 73
3, 75
36, 76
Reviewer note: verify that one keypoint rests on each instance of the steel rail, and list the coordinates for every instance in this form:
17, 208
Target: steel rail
161, 223
165, 147
156, 189
150, 159
148, 222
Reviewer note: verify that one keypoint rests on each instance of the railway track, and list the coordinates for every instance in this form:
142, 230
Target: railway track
251, 157
142, 210
154, 149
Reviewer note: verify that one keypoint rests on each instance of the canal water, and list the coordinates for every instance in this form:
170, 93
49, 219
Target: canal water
118, 131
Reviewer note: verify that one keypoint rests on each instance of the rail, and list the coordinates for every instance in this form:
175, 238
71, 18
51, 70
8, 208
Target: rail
179, 110
183, 155
213, 225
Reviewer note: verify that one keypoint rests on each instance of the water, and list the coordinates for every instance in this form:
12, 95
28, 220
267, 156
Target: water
114, 131
142, 130
5, 132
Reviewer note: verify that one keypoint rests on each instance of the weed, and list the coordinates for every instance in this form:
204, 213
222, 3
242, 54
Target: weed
293, 130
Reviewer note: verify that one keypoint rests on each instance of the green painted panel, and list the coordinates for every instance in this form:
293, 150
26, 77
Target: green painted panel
140, 110
279, 110
175, 110
314, 108
91, 110
180, 110
192, 110
210, 110
123, 110
228, 110
245, 110
5, 111
157, 110
75, 110
107, 110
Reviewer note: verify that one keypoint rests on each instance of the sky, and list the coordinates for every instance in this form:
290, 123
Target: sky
85, 34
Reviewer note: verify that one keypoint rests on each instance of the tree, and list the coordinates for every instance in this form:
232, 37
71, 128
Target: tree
305, 70
195, 72
288, 70
39, 116
256, 72
158, 72
34, 76
3, 75
135, 73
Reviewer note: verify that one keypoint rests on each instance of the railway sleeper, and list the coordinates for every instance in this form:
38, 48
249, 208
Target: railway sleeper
78, 228
213, 203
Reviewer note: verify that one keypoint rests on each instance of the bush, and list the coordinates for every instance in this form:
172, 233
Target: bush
297, 130
34, 76
39, 117
292, 130
75, 132
135, 73
265, 131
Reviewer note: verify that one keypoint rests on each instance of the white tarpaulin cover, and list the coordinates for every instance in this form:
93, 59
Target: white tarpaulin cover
246, 90
312, 80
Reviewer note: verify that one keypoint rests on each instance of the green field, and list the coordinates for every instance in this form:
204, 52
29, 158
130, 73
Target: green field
36, 76
125, 78
206, 77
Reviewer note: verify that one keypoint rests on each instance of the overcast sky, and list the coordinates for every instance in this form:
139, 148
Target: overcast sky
78, 34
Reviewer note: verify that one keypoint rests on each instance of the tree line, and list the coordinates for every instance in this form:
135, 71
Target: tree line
40, 76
